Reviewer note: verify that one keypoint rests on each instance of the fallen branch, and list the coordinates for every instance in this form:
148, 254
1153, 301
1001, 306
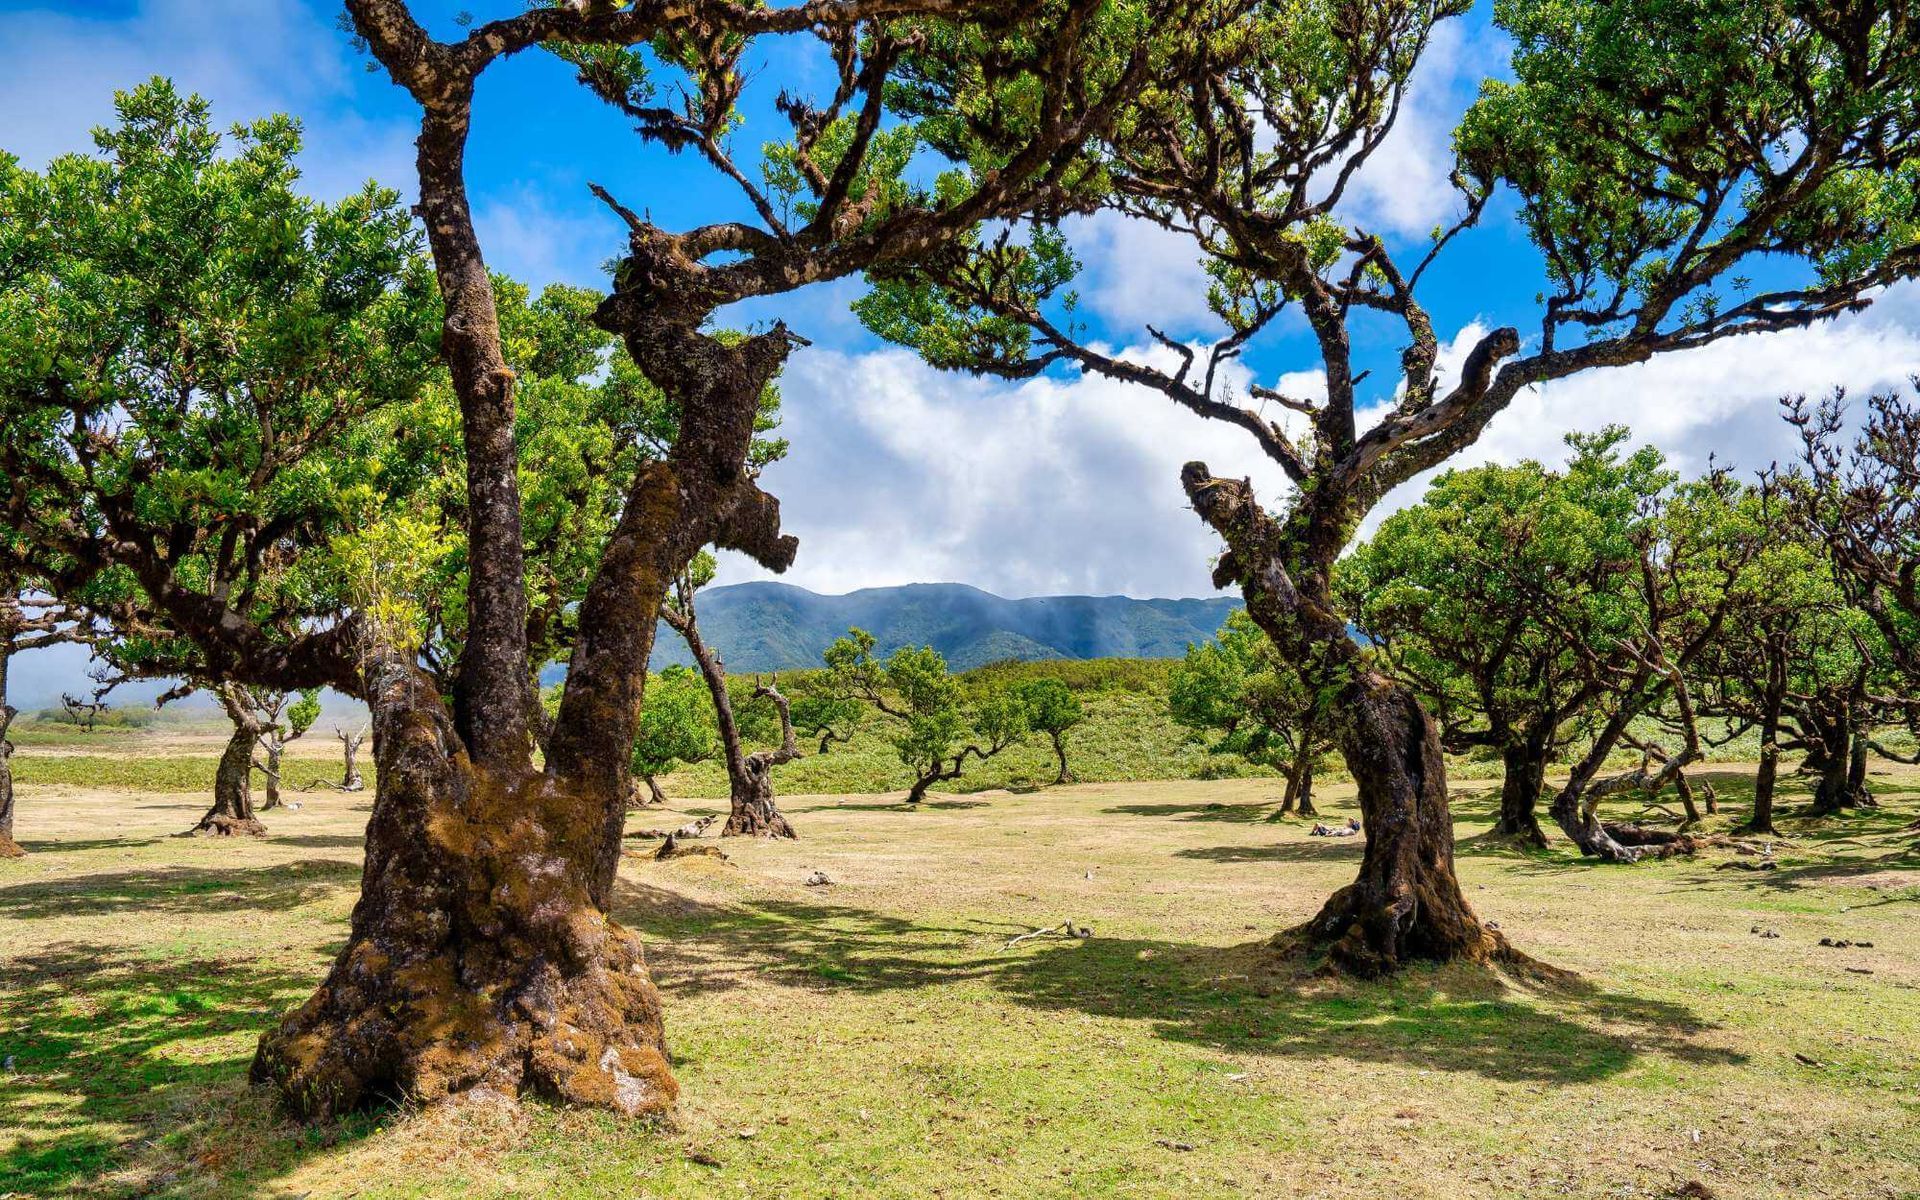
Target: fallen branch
1065, 929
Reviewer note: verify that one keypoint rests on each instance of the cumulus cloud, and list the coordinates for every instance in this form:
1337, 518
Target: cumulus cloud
1720, 401
1404, 188
1138, 274
537, 239
900, 473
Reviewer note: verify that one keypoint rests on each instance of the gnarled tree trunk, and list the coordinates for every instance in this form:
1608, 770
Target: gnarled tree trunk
232, 811
1525, 777
478, 956
8, 847
1406, 903
1299, 794
350, 780
751, 809
276, 753
1060, 755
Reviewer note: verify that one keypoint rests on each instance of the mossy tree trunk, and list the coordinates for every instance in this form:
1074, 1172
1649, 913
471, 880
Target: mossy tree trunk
1406, 903
232, 812
478, 956
1525, 777
8, 847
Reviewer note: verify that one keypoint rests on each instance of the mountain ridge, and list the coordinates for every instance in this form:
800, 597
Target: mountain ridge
767, 625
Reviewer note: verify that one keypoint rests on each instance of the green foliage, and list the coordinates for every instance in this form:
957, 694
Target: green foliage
1263, 707
1489, 594
929, 708
302, 713
676, 723
1051, 706
191, 347
1626, 121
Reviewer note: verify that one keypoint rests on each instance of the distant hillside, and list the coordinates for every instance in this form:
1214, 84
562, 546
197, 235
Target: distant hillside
779, 627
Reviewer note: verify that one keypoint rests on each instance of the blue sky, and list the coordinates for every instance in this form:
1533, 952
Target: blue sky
899, 473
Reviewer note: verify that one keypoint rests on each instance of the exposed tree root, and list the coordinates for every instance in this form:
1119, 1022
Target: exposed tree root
216, 824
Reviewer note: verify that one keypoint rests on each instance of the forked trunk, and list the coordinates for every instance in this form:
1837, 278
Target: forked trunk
1525, 777
1407, 903
918, 791
1300, 784
276, 751
751, 811
350, 780
1843, 774
477, 957
655, 793
232, 811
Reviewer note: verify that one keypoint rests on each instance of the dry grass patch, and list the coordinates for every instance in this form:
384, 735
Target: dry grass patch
877, 1037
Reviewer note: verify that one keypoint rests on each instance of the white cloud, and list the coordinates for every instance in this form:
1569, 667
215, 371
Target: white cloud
1720, 401
1138, 274
900, 473
1404, 188
537, 241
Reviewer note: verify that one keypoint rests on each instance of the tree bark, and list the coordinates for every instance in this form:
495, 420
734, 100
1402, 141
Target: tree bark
478, 956
655, 794
751, 808
8, 847
1060, 753
1766, 779
1684, 787
1525, 764
350, 780
1299, 795
276, 751
1406, 903
1840, 788
701, 494
232, 812
754, 812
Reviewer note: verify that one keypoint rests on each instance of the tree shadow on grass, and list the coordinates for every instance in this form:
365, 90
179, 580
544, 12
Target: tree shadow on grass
183, 890
74, 845
1243, 999
131, 1071
1312, 850
319, 841
694, 947
1201, 810
1246, 1000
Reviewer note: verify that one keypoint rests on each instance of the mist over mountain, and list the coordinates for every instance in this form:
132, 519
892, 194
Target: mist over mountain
767, 626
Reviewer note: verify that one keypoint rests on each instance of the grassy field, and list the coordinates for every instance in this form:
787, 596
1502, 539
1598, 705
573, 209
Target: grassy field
876, 1037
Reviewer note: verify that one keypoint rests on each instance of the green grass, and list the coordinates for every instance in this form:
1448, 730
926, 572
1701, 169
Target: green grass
1126, 736
128, 770
878, 1038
